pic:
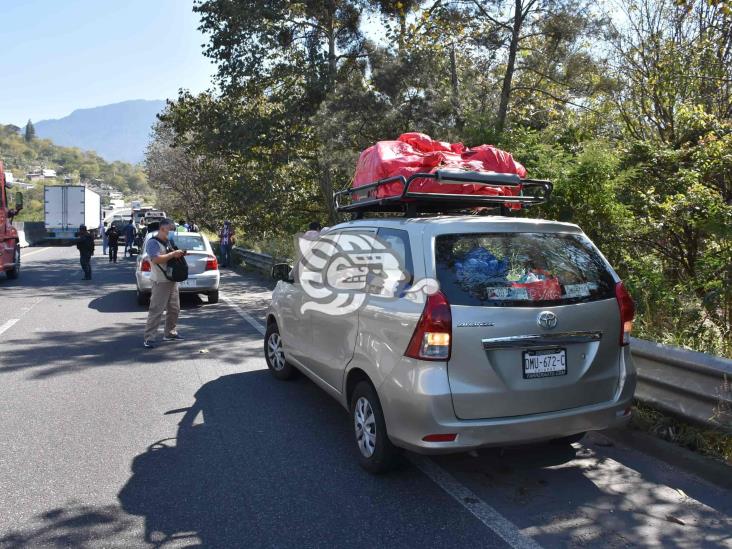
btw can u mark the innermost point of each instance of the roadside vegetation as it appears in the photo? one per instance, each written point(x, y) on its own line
point(22, 153)
point(625, 105)
point(709, 442)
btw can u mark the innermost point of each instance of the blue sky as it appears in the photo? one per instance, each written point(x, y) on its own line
point(61, 55)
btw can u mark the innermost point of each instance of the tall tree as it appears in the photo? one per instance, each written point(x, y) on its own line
point(30, 132)
point(537, 41)
point(671, 53)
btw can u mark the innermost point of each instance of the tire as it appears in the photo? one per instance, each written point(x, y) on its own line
point(143, 298)
point(376, 453)
point(571, 439)
point(275, 355)
point(213, 297)
point(13, 273)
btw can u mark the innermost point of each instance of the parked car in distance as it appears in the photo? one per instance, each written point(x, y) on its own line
point(525, 341)
point(203, 268)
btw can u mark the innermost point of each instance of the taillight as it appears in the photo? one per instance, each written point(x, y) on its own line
point(627, 312)
point(145, 267)
point(433, 334)
point(211, 263)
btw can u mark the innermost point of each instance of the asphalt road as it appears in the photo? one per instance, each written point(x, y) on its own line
point(106, 444)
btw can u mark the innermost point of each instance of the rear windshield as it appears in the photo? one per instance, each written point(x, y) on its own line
point(189, 242)
point(502, 269)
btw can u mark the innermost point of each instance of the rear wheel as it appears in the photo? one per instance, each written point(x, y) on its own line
point(213, 297)
point(274, 353)
point(143, 298)
point(376, 453)
point(15, 271)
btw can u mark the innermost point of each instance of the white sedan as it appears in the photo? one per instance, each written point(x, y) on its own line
point(203, 268)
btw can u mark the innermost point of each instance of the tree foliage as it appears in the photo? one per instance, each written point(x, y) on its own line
point(30, 132)
point(628, 109)
point(21, 157)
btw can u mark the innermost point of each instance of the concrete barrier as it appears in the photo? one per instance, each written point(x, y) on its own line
point(33, 232)
point(22, 242)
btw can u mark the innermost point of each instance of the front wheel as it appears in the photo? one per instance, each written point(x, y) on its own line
point(15, 271)
point(274, 353)
point(376, 453)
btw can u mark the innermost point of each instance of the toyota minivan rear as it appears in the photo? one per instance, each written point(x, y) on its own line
point(526, 339)
point(537, 322)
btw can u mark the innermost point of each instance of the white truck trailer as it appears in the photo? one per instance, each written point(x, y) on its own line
point(69, 206)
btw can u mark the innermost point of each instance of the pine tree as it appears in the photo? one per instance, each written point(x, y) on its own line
point(30, 131)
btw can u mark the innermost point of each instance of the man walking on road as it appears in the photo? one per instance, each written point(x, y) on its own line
point(113, 242)
point(129, 234)
point(85, 245)
point(164, 291)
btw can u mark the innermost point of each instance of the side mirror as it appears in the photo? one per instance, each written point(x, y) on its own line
point(283, 272)
point(18, 202)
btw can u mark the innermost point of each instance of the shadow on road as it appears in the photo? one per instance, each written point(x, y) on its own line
point(76, 525)
point(118, 343)
point(259, 462)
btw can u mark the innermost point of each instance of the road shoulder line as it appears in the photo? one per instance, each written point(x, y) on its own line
point(246, 316)
point(9, 324)
point(486, 514)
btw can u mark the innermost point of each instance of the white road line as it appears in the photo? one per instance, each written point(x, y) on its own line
point(499, 524)
point(9, 324)
point(246, 316)
point(486, 514)
point(23, 255)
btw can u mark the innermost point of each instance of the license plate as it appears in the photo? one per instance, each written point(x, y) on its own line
point(190, 283)
point(545, 363)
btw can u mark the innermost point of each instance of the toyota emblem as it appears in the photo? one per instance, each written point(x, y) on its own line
point(546, 320)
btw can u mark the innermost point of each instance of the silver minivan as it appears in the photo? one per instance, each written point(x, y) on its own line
point(494, 331)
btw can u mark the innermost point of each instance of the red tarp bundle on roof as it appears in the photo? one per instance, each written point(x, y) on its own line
point(416, 152)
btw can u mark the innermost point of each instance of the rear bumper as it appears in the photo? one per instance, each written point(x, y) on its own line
point(417, 402)
point(205, 282)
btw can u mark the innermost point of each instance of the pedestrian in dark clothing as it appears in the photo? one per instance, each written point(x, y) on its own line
point(85, 245)
point(129, 234)
point(226, 234)
point(113, 242)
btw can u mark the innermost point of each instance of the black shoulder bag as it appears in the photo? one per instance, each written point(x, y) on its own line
point(178, 265)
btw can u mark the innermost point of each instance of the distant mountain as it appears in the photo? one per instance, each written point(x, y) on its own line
point(116, 132)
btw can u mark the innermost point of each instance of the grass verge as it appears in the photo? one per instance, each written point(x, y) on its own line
point(707, 442)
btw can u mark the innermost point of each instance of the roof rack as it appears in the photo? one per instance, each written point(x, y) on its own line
point(412, 203)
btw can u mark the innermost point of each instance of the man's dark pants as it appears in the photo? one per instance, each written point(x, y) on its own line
point(113, 252)
point(85, 260)
point(225, 254)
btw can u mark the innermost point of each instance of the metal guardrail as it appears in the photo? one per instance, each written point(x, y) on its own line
point(260, 262)
point(693, 386)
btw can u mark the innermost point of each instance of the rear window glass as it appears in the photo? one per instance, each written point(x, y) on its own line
point(521, 269)
point(190, 243)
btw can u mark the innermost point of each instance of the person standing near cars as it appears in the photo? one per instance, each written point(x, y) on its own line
point(226, 236)
point(164, 297)
point(85, 245)
point(129, 234)
point(113, 242)
point(104, 238)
